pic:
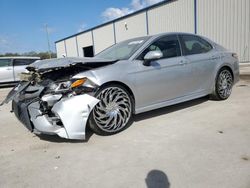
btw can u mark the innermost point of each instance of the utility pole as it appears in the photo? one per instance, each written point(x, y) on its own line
point(47, 32)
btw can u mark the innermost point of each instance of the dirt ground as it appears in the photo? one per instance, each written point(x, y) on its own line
point(201, 143)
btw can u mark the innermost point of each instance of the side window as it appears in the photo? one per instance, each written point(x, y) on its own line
point(194, 45)
point(168, 45)
point(5, 62)
point(22, 62)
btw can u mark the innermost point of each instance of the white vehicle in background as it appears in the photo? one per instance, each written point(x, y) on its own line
point(11, 67)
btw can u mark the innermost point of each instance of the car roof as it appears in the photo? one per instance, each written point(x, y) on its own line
point(173, 33)
point(20, 57)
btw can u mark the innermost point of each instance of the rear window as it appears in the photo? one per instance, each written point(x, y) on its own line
point(5, 62)
point(194, 45)
point(22, 62)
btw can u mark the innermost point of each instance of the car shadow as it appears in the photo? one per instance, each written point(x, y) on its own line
point(157, 179)
point(169, 109)
point(57, 139)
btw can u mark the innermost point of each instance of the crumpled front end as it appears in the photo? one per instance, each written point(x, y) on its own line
point(65, 116)
point(69, 117)
point(54, 103)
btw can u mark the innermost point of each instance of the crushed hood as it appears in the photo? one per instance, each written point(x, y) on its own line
point(51, 64)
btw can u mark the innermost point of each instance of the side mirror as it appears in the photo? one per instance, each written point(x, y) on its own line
point(152, 55)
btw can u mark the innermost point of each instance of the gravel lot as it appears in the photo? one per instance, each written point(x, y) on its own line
point(201, 143)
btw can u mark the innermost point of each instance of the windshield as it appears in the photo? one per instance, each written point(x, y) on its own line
point(123, 50)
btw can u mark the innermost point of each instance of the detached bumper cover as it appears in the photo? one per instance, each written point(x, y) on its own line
point(73, 113)
point(21, 111)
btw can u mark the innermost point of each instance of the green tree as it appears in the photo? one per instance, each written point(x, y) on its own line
point(42, 55)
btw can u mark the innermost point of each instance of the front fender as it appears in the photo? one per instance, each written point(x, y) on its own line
point(74, 113)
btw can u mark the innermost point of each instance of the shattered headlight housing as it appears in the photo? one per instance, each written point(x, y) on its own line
point(78, 86)
point(59, 87)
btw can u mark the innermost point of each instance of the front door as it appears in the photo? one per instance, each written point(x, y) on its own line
point(166, 78)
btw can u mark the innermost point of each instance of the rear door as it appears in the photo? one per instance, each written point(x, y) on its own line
point(6, 70)
point(20, 66)
point(201, 57)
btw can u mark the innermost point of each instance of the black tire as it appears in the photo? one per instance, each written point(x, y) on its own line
point(110, 112)
point(223, 84)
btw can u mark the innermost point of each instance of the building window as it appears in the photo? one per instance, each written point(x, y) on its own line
point(88, 51)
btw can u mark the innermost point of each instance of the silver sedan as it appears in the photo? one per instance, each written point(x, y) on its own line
point(64, 96)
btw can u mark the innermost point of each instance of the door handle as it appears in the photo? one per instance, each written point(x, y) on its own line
point(8, 68)
point(182, 62)
point(215, 57)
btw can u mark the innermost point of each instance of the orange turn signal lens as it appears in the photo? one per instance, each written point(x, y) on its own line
point(78, 83)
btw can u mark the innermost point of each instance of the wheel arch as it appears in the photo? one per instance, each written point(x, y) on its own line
point(216, 74)
point(214, 94)
point(225, 67)
point(125, 86)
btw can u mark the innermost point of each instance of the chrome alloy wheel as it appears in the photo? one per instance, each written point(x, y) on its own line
point(113, 111)
point(225, 84)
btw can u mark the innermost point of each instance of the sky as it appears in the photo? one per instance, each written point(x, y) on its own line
point(22, 22)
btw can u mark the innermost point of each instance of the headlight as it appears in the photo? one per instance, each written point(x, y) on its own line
point(77, 85)
point(83, 85)
point(59, 87)
point(83, 82)
point(64, 85)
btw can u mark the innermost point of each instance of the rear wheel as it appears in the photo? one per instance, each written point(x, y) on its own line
point(114, 111)
point(223, 85)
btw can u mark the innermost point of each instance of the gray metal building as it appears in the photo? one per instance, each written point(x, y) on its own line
point(226, 22)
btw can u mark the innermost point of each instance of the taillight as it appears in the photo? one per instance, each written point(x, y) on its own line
point(235, 55)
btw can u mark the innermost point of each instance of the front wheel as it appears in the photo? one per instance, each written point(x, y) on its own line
point(114, 111)
point(223, 84)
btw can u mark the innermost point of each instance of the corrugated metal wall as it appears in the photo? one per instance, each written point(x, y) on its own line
point(84, 40)
point(60, 49)
point(71, 49)
point(174, 16)
point(133, 26)
point(226, 22)
point(103, 37)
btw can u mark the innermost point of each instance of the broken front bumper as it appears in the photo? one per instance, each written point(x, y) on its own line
point(73, 113)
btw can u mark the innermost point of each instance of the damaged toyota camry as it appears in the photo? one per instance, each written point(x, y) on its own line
point(63, 96)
